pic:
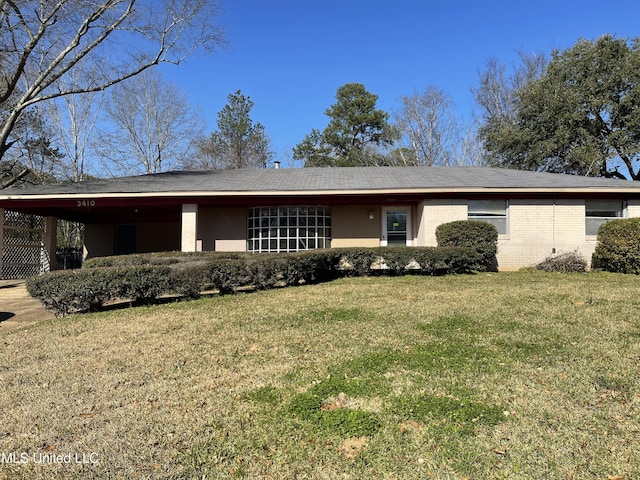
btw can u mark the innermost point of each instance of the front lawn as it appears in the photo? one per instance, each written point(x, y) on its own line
point(510, 375)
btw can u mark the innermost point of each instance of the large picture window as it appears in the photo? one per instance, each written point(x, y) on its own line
point(288, 229)
point(601, 211)
point(491, 211)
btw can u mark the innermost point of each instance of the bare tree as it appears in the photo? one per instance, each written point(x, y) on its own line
point(41, 42)
point(74, 118)
point(496, 92)
point(469, 150)
point(429, 126)
point(151, 127)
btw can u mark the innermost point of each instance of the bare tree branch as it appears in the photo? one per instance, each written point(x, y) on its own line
point(153, 127)
point(428, 125)
point(41, 42)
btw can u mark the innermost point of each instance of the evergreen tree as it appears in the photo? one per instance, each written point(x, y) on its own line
point(356, 132)
point(238, 142)
point(580, 117)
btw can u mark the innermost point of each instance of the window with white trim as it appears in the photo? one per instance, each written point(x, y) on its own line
point(598, 212)
point(288, 229)
point(491, 211)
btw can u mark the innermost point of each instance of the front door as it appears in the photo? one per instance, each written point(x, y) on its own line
point(396, 227)
point(126, 239)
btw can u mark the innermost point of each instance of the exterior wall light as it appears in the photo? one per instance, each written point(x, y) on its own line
point(370, 214)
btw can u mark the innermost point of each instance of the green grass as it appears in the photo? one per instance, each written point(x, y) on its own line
point(520, 375)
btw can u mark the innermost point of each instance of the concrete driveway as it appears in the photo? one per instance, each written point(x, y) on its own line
point(17, 307)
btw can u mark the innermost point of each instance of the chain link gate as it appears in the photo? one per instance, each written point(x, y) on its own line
point(23, 247)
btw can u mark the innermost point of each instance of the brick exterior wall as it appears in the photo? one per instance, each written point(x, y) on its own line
point(432, 213)
point(537, 228)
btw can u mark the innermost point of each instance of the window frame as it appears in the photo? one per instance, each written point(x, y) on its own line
point(489, 217)
point(591, 220)
point(288, 228)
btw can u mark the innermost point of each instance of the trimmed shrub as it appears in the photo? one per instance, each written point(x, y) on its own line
point(618, 248)
point(143, 278)
point(482, 236)
point(267, 270)
point(69, 291)
point(117, 261)
point(565, 262)
point(448, 260)
point(355, 262)
point(159, 258)
point(227, 274)
point(310, 267)
point(140, 284)
point(190, 279)
point(404, 260)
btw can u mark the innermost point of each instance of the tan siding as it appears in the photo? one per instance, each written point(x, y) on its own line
point(351, 227)
point(158, 237)
point(98, 240)
point(223, 229)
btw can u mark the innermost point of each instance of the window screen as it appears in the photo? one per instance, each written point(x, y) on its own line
point(601, 211)
point(491, 211)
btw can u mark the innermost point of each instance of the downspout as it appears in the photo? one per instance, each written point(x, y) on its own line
point(553, 226)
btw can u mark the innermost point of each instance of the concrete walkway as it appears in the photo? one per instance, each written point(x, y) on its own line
point(17, 307)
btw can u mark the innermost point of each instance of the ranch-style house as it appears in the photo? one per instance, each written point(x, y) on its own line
point(287, 210)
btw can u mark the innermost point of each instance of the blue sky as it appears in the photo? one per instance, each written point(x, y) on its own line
point(291, 56)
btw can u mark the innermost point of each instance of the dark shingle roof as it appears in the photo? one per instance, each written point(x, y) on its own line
point(331, 180)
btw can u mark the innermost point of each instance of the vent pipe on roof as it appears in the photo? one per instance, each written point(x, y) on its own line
point(276, 164)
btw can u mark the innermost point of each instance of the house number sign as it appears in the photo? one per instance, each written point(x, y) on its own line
point(85, 203)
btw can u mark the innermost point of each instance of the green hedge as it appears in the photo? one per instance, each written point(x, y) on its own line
point(158, 258)
point(143, 278)
point(69, 291)
point(404, 260)
point(618, 248)
point(482, 236)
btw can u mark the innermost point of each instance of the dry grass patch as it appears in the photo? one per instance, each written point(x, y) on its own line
point(518, 375)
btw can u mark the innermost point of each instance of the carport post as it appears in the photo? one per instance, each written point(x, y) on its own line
point(1, 237)
point(189, 227)
point(51, 241)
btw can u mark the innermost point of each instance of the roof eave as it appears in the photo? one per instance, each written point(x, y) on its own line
point(302, 193)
